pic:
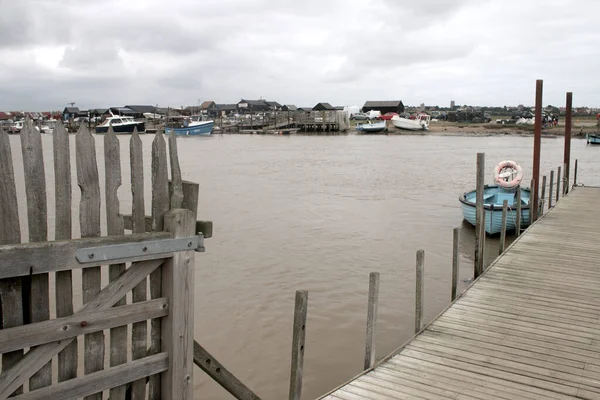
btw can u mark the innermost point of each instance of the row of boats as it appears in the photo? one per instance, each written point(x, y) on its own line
point(191, 126)
point(420, 123)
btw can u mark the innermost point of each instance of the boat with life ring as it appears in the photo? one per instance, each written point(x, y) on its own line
point(507, 177)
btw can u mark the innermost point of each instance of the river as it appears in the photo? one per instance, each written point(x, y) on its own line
point(319, 213)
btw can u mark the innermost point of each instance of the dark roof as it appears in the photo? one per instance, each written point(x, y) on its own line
point(326, 106)
point(273, 104)
point(227, 107)
point(305, 108)
point(340, 108)
point(123, 110)
point(142, 109)
point(206, 104)
point(99, 111)
point(71, 110)
point(254, 102)
point(289, 107)
point(390, 103)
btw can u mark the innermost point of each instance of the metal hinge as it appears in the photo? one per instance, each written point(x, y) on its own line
point(132, 250)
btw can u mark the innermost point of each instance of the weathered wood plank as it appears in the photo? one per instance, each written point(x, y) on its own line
point(67, 359)
point(11, 289)
point(177, 184)
point(98, 381)
point(178, 327)
point(204, 227)
point(36, 258)
point(80, 323)
point(89, 222)
point(37, 218)
point(221, 375)
point(419, 290)
point(298, 339)
point(160, 206)
point(114, 223)
point(372, 306)
point(33, 360)
point(138, 335)
point(455, 262)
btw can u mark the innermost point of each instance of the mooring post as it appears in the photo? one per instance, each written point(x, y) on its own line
point(532, 187)
point(565, 189)
point(537, 140)
point(300, 311)
point(567, 152)
point(558, 179)
point(479, 215)
point(518, 219)
point(371, 319)
point(575, 174)
point(543, 196)
point(455, 260)
point(503, 229)
point(419, 290)
point(550, 189)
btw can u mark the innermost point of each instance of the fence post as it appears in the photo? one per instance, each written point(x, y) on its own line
point(550, 189)
point(371, 319)
point(300, 310)
point(518, 219)
point(455, 260)
point(532, 187)
point(566, 180)
point(419, 291)
point(543, 197)
point(503, 229)
point(558, 179)
point(575, 174)
point(480, 215)
point(178, 327)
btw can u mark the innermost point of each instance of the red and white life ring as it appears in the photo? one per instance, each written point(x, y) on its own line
point(508, 174)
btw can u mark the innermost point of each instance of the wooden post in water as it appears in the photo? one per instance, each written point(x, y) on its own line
point(371, 319)
point(300, 310)
point(503, 229)
point(575, 174)
point(518, 219)
point(567, 151)
point(537, 140)
point(532, 187)
point(455, 261)
point(558, 179)
point(480, 216)
point(419, 291)
point(550, 189)
point(565, 189)
point(543, 196)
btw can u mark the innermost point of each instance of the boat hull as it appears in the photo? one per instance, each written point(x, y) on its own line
point(593, 139)
point(408, 124)
point(128, 128)
point(196, 130)
point(493, 211)
point(371, 128)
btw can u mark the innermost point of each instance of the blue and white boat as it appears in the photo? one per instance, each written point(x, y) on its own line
point(507, 177)
point(593, 138)
point(194, 126)
point(371, 127)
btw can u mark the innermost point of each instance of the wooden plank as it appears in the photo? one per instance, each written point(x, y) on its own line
point(138, 333)
point(98, 381)
point(558, 181)
point(455, 261)
point(519, 215)
point(221, 375)
point(37, 218)
point(80, 323)
point(419, 293)
point(204, 227)
point(550, 188)
point(177, 185)
point(160, 206)
point(67, 359)
point(503, 228)
point(372, 306)
point(178, 327)
point(33, 360)
point(114, 224)
point(480, 221)
point(11, 289)
point(36, 258)
point(298, 339)
point(89, 222)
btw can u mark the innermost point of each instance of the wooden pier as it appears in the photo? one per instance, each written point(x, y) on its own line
point(528, 327)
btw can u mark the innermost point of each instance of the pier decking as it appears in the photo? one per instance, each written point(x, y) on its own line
point(529, 327)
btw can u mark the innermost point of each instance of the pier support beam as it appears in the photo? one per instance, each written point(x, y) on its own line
point(567, 155)
point(537, 140)
point(480, 215)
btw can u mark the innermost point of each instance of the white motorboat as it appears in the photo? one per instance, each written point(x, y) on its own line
point(121, 124)
point(421, 123)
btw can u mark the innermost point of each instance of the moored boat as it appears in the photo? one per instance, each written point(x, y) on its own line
point(193, 126)
point(421, 123)
point(593, 138)
point(121, 124)
point(371, 127)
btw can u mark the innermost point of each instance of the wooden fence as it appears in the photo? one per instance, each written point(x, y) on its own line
point(149, 284)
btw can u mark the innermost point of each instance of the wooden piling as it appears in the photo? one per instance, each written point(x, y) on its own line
point(518, 218)
point(455, 261)
point(567, 149)
point(480, 216)
point(565, 188)
point(503, 229)
point(558, 179)
point(419, 292)
point(543, 195)
point(537, 140)
point(550, 189)
point(371, 319)
point(300, 311)
point(532, 187)
point(575, 174)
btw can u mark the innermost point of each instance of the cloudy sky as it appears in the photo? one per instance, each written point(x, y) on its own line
point(175, 53)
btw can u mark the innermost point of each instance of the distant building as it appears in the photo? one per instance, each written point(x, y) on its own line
point(273, 105)
point(70, 112)
point(226, 109)
point(339, 108)
point(384, 106)
point(305, 109)
point(452, 105)
point(246, 106)
point(141, 109)
point(323, 107)
point(125, 111)
point(289, 107)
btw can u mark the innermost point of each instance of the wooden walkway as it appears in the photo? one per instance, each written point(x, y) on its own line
point(528, 328)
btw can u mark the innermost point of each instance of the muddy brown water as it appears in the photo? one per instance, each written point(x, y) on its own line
point(319, 213)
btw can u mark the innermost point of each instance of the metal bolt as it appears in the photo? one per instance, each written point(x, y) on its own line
point(83, 323)
point(144, 249)
point(65, 328)
point(190, 244)
point(164, 306)
point(91, 255)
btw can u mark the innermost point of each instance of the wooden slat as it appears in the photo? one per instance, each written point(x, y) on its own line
point(177, 184)
point(37, 218)
point(178, 327)
point(204, 227)
point(33, 360)
point(80, 323)
point(98, 381)
point(36, 258)
point(114, 223)
point(160, 206)
point(67, 359)
point(138, 336)
point(89, 221)
point(11, 289)
point(527, 328)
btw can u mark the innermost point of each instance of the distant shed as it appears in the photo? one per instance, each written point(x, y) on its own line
point(384, 106)
point(289, 107)
point(323, 107)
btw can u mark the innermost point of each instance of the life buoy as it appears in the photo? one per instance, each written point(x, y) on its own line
point(508, 174)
